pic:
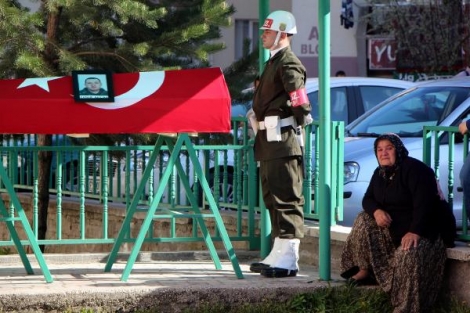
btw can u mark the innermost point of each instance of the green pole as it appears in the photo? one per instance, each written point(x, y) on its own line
point(325, 142)
point(265, 219)
point(263, 53)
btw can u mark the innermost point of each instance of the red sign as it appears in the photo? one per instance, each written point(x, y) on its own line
point(194, 100)
point(382, 54)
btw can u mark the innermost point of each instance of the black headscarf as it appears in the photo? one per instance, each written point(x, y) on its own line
point(387, 172)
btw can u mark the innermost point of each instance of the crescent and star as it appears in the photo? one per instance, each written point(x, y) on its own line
point(148, 83)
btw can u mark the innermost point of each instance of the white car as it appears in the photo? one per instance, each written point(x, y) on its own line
point(434, 103)
point(350, 96)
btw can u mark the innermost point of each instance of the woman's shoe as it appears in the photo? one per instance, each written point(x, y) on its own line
point(368, 281)
point(350, 272)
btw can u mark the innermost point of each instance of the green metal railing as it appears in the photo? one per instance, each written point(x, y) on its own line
point(109, 176)
point(129, 177)
point(437, 141)
point(104, 175)
point(312, 164)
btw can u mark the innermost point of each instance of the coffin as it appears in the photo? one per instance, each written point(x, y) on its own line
point(177, 101)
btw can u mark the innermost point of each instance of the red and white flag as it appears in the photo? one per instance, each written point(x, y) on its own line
point(179, 101)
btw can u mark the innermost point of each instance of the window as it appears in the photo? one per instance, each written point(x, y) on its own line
point(406, 115)
point(245, 30)
point(373, 95)
point(339, 104)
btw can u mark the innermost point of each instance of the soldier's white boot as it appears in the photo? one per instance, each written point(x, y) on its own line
point(287, 264)
point(270, 259)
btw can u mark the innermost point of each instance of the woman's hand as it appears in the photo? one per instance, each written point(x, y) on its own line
point(382, 218)
point(410, 240)
point(463, 127)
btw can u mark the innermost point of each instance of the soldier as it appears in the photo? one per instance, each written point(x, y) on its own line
point(280, 108)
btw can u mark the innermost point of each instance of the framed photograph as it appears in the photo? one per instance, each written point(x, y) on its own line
point(93, 86)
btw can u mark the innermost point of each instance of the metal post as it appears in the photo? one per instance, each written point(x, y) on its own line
point(265, 219)
point(263, 13)
point(324, 196)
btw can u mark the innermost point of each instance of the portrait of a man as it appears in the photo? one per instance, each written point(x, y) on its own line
point(92, 86)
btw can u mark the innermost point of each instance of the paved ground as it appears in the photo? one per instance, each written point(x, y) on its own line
point(171, 282)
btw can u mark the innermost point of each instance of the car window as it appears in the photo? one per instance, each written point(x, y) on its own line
point(313, 98)
point(373, 95)
point(408, 114)
point(339, 105)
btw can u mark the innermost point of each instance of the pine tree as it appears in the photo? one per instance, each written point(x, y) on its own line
point(241, 74)
point(115, 35)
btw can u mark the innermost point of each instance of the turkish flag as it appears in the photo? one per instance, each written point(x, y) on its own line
point(179, 101)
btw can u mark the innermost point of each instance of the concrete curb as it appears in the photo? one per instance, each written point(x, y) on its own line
point(158, 300)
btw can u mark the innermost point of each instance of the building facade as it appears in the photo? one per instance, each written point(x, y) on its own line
point(348, 45)
point(368, 45)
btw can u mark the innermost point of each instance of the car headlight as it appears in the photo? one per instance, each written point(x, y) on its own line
point(351, 172)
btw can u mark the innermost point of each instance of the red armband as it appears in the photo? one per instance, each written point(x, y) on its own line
point(298, 97)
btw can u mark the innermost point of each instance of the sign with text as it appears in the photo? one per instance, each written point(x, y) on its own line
point(306, 42)
point(382, 53)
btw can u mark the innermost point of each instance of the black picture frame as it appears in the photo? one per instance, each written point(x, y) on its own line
point(81, 93)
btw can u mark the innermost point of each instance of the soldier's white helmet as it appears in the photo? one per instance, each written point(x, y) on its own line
point(280, 21)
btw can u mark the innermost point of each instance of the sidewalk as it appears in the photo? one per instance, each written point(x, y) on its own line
point(170, 282)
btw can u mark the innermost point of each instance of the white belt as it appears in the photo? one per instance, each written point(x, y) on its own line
point(288, 121)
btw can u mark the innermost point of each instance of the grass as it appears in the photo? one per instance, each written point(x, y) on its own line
point(5, 251)
point(343, 299)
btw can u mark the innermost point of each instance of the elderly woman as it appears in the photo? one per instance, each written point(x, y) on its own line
point(395, 241)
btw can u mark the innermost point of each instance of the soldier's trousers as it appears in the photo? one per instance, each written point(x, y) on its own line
point(281, 183)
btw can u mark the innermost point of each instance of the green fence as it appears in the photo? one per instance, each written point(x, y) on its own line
point(106, 175)
point(446, 143)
